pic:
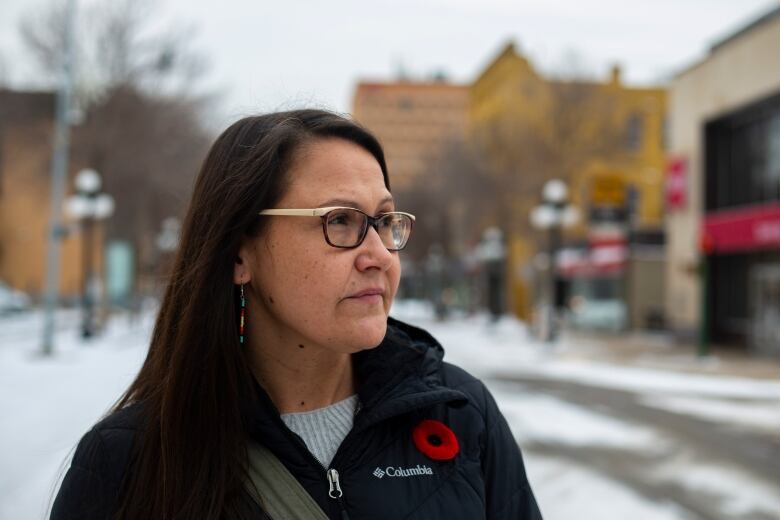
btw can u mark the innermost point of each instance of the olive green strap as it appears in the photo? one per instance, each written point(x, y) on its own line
point(273, 487)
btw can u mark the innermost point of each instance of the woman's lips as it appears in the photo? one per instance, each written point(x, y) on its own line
point(368, 296)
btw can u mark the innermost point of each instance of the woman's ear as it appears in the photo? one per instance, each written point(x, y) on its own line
point(241, 272)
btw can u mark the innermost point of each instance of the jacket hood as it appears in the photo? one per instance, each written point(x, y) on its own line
point(407, 354)
point(421, 340)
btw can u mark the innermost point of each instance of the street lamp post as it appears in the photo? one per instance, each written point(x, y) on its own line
point(167, 240)
point(552, 215)
point(59, 172)
point(492, 253)
point(89, 205)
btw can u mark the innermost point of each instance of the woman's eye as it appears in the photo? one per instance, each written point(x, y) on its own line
point(338, 219)
point(386, 221)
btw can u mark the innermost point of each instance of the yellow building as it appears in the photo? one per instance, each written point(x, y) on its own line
point(604, 139)
point(26, 129)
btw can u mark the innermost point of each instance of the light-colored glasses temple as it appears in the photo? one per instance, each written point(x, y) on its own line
point(317, 212)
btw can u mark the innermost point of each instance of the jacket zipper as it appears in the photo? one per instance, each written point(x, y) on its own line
point(334, 491)
point(332, 476)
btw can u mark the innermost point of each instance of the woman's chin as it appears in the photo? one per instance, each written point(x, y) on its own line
point(368, 332)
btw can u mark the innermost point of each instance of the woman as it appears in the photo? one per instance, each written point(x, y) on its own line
point(274, 332)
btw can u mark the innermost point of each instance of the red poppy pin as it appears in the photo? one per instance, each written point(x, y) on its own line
point(435, 440)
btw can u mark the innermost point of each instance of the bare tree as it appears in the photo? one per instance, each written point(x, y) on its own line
point(141, 126)
point(115, 47)
point(453, 202)
point(576, 123)
point(148, 150)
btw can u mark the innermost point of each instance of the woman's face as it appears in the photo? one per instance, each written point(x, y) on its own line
point(303, 290)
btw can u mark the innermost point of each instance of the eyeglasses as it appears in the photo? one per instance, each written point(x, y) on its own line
point(347, 227)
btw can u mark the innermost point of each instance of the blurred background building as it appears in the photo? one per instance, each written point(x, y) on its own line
point(418, 123)
point(605, 141)
point(415, 121)
point(26, 130)
point(723, 192)
point(475, 157)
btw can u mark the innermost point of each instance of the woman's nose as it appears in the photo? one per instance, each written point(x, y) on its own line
point(373, 252)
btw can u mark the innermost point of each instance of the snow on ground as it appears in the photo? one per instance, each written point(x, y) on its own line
point(761, 416)
point(566, 491)
point(49, 403)
point(540, 418)
point(736, 492)
point(647, 380)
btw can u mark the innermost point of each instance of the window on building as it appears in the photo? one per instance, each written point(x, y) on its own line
point(743, 157)
point(634, 125)
point(773, 157)
point(405, 103)
point(1, 161)
point(665, 134)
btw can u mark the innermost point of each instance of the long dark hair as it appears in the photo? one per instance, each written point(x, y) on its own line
point(190, 457)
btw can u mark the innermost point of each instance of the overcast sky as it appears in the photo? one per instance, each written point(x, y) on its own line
point(271, 55)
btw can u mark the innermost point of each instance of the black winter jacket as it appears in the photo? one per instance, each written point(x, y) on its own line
point(401, 382)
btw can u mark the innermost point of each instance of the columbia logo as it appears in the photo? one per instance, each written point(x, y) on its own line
point(391, 471)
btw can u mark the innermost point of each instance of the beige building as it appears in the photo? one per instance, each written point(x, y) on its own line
point(412, 120)
point(723, 192)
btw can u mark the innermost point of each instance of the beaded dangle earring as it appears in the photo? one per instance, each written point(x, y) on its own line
point(243, 315)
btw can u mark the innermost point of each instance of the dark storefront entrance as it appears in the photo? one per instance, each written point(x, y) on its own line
point(741, 229)
point(743, 298)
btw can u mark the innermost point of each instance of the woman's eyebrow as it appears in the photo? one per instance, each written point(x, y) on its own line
point(339, 202)
point(353, 204)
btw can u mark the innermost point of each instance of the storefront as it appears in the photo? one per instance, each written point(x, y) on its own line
point(741, 227)
point(723, 193)
point(592, 279)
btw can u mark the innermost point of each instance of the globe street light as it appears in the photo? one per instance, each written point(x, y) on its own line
point(89, 205)
point(167, 239)
point(552, 215)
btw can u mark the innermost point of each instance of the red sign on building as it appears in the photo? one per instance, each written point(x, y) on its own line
point(676, 183)
point(744, 229)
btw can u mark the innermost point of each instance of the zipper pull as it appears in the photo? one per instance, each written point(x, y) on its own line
point(333, 483)
point(335, 492)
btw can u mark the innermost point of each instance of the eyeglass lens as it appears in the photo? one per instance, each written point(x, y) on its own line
point(347, 228)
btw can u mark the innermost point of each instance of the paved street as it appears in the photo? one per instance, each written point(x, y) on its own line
point(689, 441)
